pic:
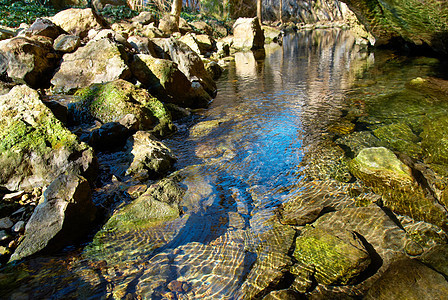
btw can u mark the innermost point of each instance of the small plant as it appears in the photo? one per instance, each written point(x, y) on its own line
point(14, 12)
point(118, 13)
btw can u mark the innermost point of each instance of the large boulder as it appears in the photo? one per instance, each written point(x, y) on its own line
point(379, 168)
point(164, 79)
point(112, 101)
point(414, 21)
point(99, 61)
point(28, 60)
point(78, 21)
point(35, 147)
point(150, 157)
point(336, 257)
point(187, 61)
point(247, 34)
point(65, 213)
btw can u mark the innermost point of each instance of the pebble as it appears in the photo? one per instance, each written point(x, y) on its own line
point(6, 223)
point(19, 227)
point(4, 236)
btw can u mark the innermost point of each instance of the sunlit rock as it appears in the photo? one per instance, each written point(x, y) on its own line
point(78, 21)
point(247, 34)
point(399, 136)
point(44, 27)
point(64, 215)
point(35, 147)
point(97, 62)
point(66, 43)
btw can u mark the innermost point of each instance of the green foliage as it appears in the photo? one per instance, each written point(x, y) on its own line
point(118, 13)
point(12, 13)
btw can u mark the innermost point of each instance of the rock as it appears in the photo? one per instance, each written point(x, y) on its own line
point(388, 20)
point(165, 80)
point(168, 25)
point(35, 147)
point(354, 142)
point(190, 40)
point(435, 141)
point(44, 27)
point(67, 43)
point(184, 26)
point(65, 215)
point(150, 156)
point(66, 3)
point(202, 27)
point(109, 137)
point(144, 18)
point(284, 295)
point(18, 227)
point(112, 35)
point(77, 21)
point(380, 169)
point(27, 60)
point(411, 278)
point(247, 34)
point(222, 50)
point(6, 223)
point(142, 45)
point(401, 138)
point(436, 88)
point(112, 101)
point(100, 4)
point(97, 62)
point(437, 259)
point(336, 256)
point(214, 69)
point(272, 35)
point(188, 63)
point(4, 236)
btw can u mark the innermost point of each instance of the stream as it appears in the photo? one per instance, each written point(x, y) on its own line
point(263, 141)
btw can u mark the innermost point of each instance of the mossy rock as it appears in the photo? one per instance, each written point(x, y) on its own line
point(34, 146)
point(401, 138)
point(353, 143)
point(436, 88)
point(337, 257)
point(380, 169)
point(110, 102)
point(435, 141)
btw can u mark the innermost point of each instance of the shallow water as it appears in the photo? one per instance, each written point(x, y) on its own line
point(239, 160)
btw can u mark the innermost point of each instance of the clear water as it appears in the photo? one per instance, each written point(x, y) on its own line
point(240, 159)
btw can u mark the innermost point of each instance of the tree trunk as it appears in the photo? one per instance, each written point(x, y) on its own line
point(259, 11)
point(281, 11)
point(176, 8)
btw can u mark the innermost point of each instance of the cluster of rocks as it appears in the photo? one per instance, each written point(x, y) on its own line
point(73, 86)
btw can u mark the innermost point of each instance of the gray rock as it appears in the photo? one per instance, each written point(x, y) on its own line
point(150, 156)
point(97, 62)
point(28, 60)
point(142, 45)
point(44, 27)
point(188, 63)
point(409, 279)
point(247, 34)
point(65, 215)
point(18, 227)
point(66, 43)
point(6, 223)
point(35, 146)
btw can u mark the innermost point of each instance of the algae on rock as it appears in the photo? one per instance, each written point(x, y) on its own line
point(110, 102)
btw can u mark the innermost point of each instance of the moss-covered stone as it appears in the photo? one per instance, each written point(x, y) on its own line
point(435, 140)
point(34, 146)
point(401, 138)
point(110, 102)
point(380, 169)
point(337, 257)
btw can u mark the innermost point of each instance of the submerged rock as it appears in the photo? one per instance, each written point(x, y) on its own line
point(410, 279)
point(337, 257)
point(28, 60)
point(380, 169)
point(112, 101)
point(35, 147)
point(97, 62)
point(435, 141)
point(247, 34)
point(65, 215)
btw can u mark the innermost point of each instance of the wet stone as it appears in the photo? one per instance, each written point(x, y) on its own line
point(18, 227)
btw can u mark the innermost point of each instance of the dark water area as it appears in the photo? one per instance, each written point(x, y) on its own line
point(264, 140)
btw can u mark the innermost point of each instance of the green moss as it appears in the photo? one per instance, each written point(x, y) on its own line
point(435, 141)
point(401, 138)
